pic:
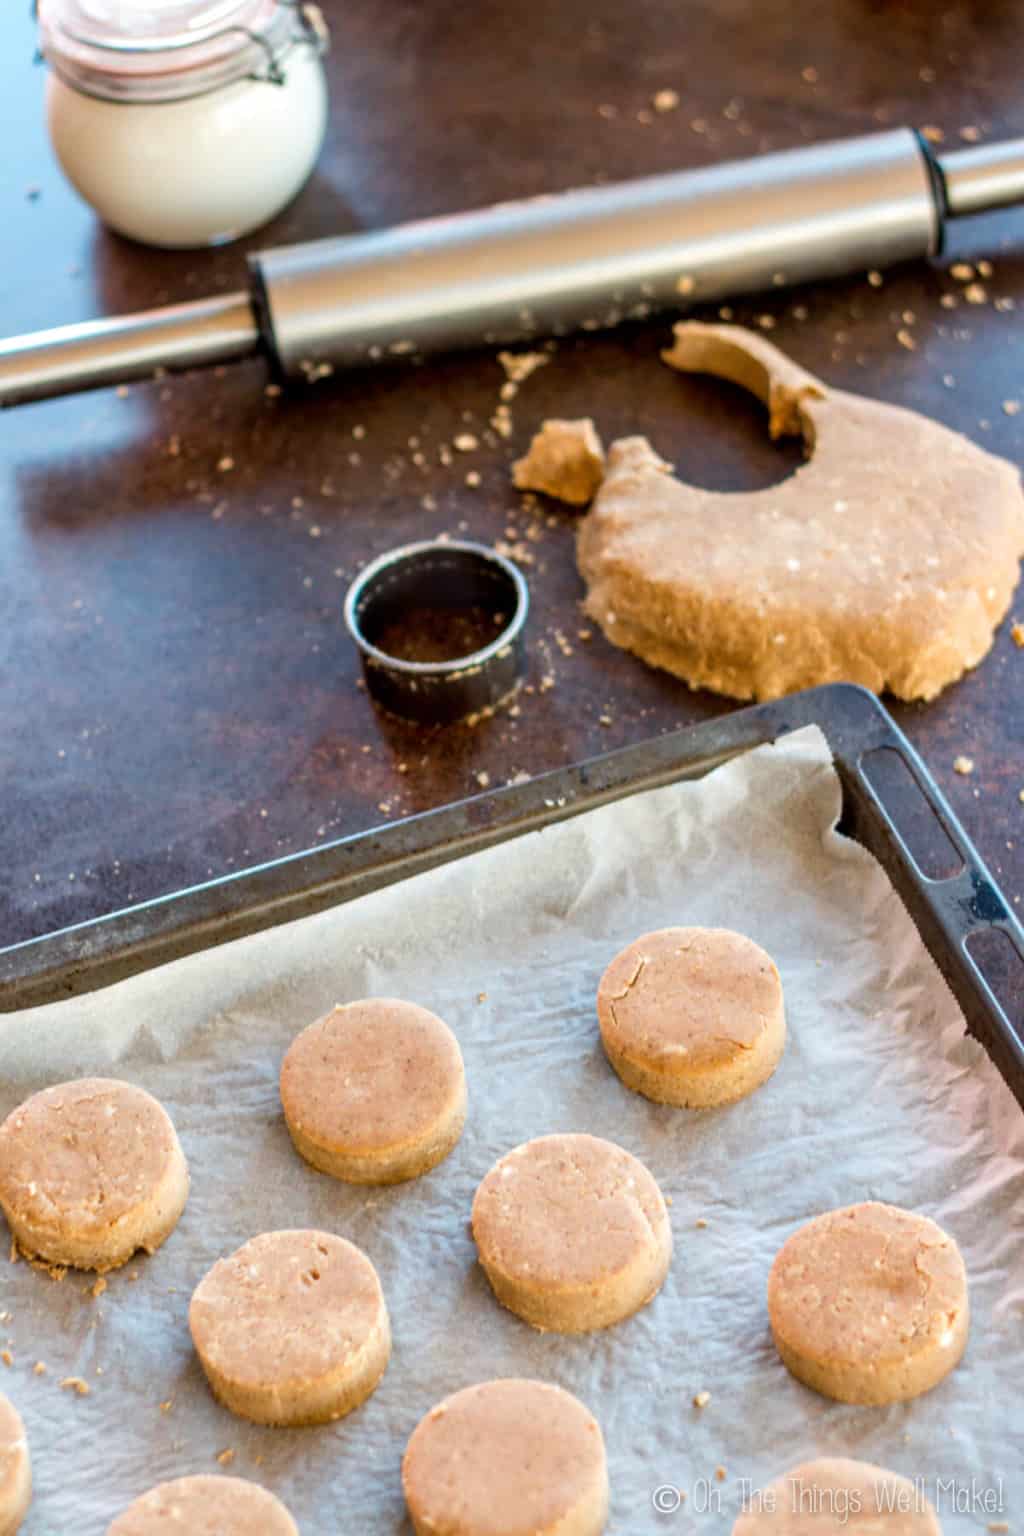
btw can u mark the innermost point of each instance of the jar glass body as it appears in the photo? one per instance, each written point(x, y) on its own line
point(198, 171)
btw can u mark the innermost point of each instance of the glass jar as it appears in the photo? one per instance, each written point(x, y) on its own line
point(185, 122)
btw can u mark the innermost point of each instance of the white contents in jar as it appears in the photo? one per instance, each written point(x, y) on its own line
point(187, 144)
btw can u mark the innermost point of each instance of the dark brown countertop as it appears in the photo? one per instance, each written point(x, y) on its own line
point(177, 698)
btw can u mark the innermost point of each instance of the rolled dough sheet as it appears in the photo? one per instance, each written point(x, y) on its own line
point(879, 1096)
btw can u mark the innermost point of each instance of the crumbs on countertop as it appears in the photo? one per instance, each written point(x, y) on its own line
point(565, 460)
point(518, 366)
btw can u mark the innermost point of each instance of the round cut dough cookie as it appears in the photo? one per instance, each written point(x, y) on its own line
point(692, 1016)
point(375, 1092)
point(839, 1497)
point(15, 1469)
point(572, 1233)
point(90, 1172)
point(869, 1304)
point(291, 1328)
point(205, 1506)
point(507, 1458)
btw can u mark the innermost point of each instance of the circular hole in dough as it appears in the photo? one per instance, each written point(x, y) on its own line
point(15, 1469)
point(868, 1304)
point(205, 1506)
point(90, 1172)
point(522, 1455)
point(692, 1016)
point(838, 1497)
point(291, 1328)
point(374, 1092)
point(572, 1232)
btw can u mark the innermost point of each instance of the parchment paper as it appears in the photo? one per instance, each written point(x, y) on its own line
point(879, 1095)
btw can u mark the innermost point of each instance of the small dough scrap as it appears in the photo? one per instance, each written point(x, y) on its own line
point(835, 1496)
point(887, 560)
point(374, 1092)
point(291, 1328)
point(205, 1506)
point(572, 1232)
point(15, 1469)
point(868, 1304)
point(90, 1172)
point(507, 1458)
point(692, 1016)
point(566, 460)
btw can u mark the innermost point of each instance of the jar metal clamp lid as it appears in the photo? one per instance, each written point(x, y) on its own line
point(452, 575)
point(171, 50)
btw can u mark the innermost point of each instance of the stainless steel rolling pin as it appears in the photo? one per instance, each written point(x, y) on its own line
point(547, 266)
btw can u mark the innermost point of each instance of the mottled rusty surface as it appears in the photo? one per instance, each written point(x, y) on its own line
point(177, 698)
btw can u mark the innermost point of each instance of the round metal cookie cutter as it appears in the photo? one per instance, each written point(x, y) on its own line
point(448, 575)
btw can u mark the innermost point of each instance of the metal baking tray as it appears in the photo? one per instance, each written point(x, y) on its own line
point(891, 805)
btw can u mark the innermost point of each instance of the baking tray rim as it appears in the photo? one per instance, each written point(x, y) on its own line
point(101, 951)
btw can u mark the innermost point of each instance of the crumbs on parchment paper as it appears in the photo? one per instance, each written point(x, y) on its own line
point(56, 1272)
point(75, 1384)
